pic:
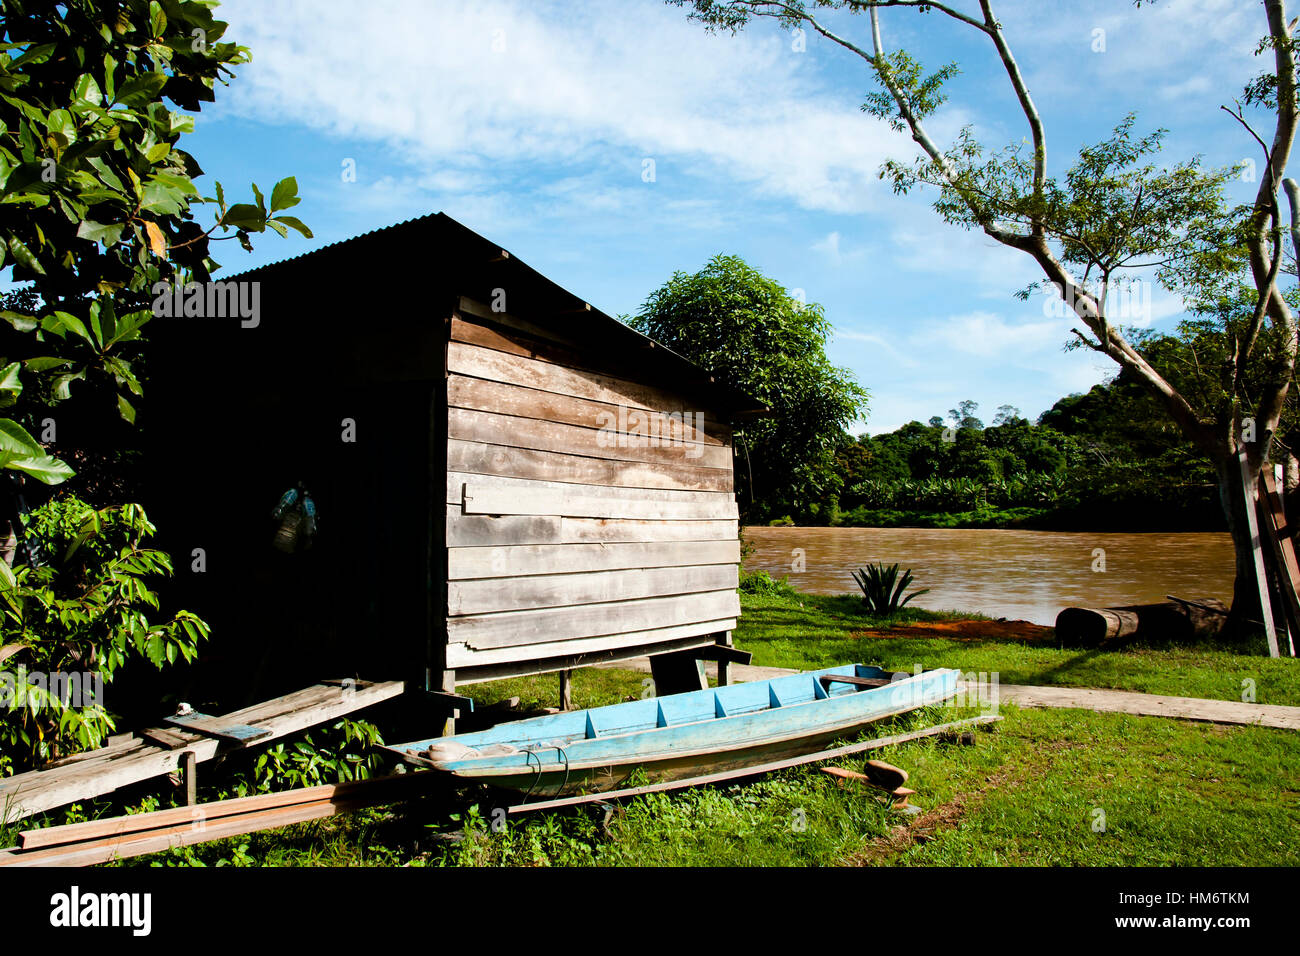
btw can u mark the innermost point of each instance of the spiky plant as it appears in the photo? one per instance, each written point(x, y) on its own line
point(883, 587)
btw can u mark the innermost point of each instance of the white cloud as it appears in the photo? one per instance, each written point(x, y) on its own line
point(988, 335)
point(519, 85)
point(830, 246)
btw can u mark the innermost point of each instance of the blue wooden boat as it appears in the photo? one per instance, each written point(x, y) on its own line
point(682, 735)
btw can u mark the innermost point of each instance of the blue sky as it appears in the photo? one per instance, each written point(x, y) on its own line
point(531, 122)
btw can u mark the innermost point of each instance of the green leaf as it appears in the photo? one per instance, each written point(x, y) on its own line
point(63, 384)
point(157, 19)
point(141, 89)
point(15, 440)
point(244, 215)
point(87, 90)
point(164, 193)
point(293, 222)
point(110, 65)
point(43, 468)
point(21, 323)
point(62, 126)
point(126, 409)
point(61, 323)
point(34, 55)
point(109, 233)
point(44, 363)
point(10, 384)
point(285, 194)
point(18, 249)
point(128, 327)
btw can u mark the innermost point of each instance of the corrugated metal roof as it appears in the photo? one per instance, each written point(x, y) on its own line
point(458, 245)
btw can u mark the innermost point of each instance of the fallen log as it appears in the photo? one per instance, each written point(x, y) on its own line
point(1176, 621)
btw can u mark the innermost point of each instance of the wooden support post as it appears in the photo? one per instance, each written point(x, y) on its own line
point(1248, 483)
point(448, 686)
point(1281, 542)
point(190, 768)
point(724, 665)
point(566, 690)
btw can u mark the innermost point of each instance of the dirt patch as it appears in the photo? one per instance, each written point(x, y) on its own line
point(972, 630)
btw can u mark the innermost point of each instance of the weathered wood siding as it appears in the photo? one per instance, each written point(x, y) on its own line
point(560, 540)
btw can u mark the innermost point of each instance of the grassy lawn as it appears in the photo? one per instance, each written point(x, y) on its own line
point(809, 631)
point(1045, 787)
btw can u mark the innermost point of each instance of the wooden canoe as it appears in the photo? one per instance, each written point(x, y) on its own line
point(682, 735)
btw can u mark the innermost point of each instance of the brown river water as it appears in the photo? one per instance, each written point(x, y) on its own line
point(1025, 575)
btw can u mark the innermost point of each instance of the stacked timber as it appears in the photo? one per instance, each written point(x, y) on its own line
point(1173, 620)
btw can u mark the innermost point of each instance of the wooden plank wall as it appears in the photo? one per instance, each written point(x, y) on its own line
point(562, 540)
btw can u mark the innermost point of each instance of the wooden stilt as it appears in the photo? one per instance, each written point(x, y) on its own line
point(448, 686)
point(190, 767)
point(566, 690)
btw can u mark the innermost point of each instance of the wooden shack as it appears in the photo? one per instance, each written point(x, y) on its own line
point(506, 480)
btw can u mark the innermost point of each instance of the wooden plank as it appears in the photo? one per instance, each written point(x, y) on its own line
point(473, 310)
point(478, 362)
point(830, 679)
point(468, 531)
point(1261, 580)
point(612, 657)
point(120, 745)
point(219, 727)
point(97, 841)
point(165, 738)
point(467, 657)
point(1282, 546)
point(456, 481)
point(509, 628)
point(509, 336)
point(483, 459)
point(524, 560)
point(34, 792)
point(1151, 705)
point(567, 590)
point(640, 442)
point(484, 500)
point(509, 399)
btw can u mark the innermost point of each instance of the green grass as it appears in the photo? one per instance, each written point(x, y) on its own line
point(1046, 787)
point(809, 631)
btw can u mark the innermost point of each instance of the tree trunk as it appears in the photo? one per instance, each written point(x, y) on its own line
point(1174, 621)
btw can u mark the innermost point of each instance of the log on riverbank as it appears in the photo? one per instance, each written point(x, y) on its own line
point(1170, 620)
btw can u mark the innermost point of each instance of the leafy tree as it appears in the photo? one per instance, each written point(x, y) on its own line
point(97, 198)
point(1113, 212)
point(963, 416)
point(98, 207)
point(750, 333)
point(1006, 414)
point(86, 610)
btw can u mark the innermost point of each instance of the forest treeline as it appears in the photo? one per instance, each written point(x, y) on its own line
point(1104, 460)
